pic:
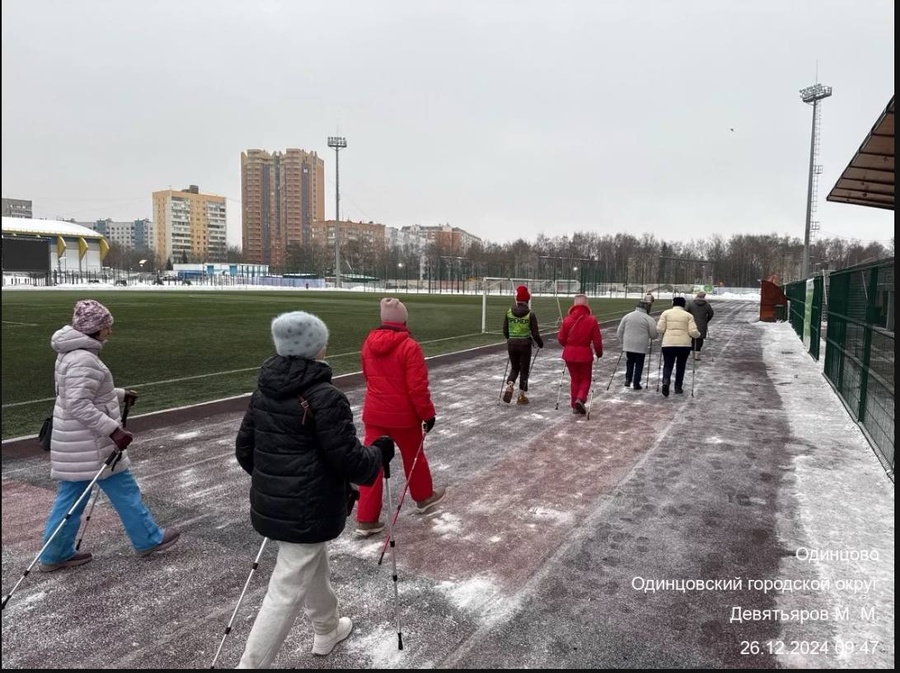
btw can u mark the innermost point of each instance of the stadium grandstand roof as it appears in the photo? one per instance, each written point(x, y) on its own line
point(26, 226)
point(868, 179)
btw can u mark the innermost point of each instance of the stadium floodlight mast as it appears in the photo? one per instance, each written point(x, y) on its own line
point(811, 95)
point(338, 143)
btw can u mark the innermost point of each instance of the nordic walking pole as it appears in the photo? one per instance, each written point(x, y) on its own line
point(559, 385)
point(536, 351)
point(531, 367)
point(241, 598)
point(659, 368)
point(649, 359)
point(693, 369)
point(614, 370)
point(503, 382)
point(96, 495)
point(591, 399)
point(111, 460)
point(403, 495)
point(125, 411)
point(387, 485)
point(87, 519)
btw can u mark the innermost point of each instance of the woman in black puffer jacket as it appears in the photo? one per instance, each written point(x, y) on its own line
point(300, 446)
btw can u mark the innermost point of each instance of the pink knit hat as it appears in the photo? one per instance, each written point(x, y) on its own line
point(91, 316)
point(580, 300)
point(393, 310)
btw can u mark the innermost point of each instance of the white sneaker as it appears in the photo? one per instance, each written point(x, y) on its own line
point(322, 645)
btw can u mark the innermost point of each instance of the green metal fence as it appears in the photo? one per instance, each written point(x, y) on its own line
point(859, 352)
point(805, 311)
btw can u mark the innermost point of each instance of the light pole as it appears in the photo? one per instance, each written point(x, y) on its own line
point(812, 94)
point(338, 143)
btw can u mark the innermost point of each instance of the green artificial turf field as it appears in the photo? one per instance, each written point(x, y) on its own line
point(184, 347)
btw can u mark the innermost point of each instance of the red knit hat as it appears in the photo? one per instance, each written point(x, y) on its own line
point(522, 294)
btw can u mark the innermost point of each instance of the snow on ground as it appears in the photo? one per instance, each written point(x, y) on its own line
point(530, 561)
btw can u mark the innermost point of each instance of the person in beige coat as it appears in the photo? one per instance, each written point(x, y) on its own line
point(676, 329)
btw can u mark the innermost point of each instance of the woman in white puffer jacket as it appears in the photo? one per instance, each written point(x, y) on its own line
point(676, 329)
point(87, 430)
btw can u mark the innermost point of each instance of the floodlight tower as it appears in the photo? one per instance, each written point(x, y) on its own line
point(812, 95)
point(338, 143)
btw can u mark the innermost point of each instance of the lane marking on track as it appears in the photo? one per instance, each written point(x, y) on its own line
point(229, 372)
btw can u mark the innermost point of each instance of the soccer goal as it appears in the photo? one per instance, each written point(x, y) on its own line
point(498, 294)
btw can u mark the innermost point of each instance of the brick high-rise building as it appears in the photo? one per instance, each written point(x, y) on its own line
point(282, 194)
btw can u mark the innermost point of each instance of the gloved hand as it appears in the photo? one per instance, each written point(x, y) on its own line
point(386, 445)
point(427, 425)
point(599, 355)
point(121, 437)
point(130, 397)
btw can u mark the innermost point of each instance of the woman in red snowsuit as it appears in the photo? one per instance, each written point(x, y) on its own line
point(397, 404)
point(578, 332)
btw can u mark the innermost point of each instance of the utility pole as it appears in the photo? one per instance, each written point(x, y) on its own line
point(338, 143)
point(812, 95)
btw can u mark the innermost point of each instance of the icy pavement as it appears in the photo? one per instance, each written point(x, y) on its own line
point(748, 525)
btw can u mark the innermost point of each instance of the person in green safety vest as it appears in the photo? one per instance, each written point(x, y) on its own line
point(520, 327)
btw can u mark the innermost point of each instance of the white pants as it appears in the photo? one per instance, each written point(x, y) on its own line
point(301, 579)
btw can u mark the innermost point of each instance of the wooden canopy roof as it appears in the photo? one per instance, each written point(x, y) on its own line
point(868, 179)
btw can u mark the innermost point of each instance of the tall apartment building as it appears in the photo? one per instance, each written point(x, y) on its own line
point(282, 194)
point(17, 208)
point(451, 239)
point(371, 234)
point(189, 225)
point(131, 234)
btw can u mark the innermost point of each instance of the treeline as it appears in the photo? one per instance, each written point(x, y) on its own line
point(738, 261)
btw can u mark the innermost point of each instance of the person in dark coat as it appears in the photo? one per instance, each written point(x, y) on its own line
point(580, 337)
point(298, 442)
point(520, 329)
point(701, 310)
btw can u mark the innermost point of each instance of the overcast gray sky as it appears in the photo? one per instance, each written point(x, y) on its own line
point(507, 118)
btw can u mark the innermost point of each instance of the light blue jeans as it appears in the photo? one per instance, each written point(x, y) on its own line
point(124, 494)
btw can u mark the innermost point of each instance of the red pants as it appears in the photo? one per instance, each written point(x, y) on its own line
point(408, 441)
point(580, 380)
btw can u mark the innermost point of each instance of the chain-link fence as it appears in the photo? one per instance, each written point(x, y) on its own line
point(859, 352)
point(805, 299)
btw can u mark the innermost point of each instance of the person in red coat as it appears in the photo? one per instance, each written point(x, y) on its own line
point(398, 404)
point(577, 334)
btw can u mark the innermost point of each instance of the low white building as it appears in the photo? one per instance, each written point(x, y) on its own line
point(31, 246)
point(219, 269)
